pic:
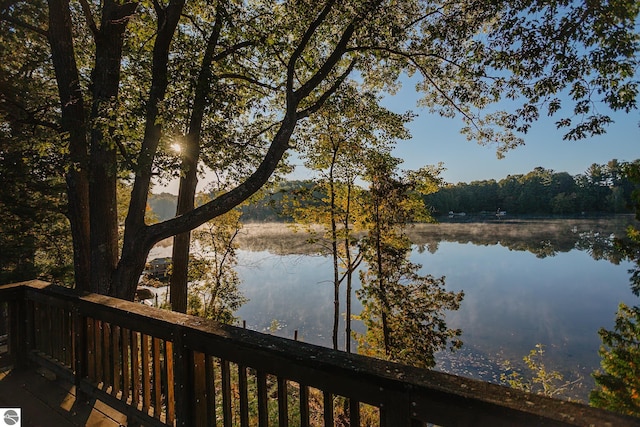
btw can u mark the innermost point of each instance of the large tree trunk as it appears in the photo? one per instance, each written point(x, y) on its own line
point(102, 180)
point(74, 123)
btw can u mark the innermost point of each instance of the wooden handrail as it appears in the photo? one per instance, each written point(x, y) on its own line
point(164, 368)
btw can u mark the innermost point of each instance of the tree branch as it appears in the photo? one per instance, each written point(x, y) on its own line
point(232, 49)
point(323, 98)
point(89, 17)
point(25, 25)
point(297, 53)
point(237, 76)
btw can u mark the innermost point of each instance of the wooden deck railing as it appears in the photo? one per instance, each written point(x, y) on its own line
point(163, 368)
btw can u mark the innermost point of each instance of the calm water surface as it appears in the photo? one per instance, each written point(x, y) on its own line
point(513, 300)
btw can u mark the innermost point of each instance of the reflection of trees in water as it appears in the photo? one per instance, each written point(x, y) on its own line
point(542, 237)
point(618, 382)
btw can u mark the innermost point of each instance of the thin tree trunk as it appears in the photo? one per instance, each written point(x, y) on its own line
point(189, 179)
point(182, 241)
point(384, 305)
point(137, 241)
point(334, 252)
point(347, 250)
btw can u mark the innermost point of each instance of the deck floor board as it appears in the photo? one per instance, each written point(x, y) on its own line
point(46, 402)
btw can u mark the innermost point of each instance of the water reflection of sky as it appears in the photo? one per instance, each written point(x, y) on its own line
point(513, 299)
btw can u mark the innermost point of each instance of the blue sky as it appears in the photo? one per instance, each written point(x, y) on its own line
point(436, 139)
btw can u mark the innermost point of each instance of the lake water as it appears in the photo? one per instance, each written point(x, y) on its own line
point(513, 300)
point(525, 282)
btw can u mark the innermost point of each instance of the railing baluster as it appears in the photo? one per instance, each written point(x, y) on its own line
point(135, 369)
point(328, 408)
point(304, 406)
point(106, 355)
point(183, 373)
point(116, 354)
point(200, 389)
point(29, 336)
point(81, 351)
point(283, 404)
point(17, 346)
point(70, 342)
point(171, 409)
point(41, 336)
point(263, 409)
point(62, 335)
point(125, 340)
point(354, 413)
point(99, 351)
point(244, 398)
point(210, 390)
point(146, 376)
point(67, 339)
point(157, 378)
point(225, 371)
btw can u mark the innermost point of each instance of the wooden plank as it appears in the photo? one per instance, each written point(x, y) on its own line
point(157, 378)
point(283, 404)
point(243, 391)
point(146, 374)
point(67, 339)
point(200, 389)
point(17, 347)
point(99, 350)
point(304, 406)
point(354, 412)
point(52, 403)
point(225, 371)
point(30, 333)
point(171, 403)
point(116, 359)
point(55, 334)
point(48, 331)
point(125, 340)
point(91, 350)
point(183, 373)
point(136, 388)
point(327, 403)
point(75, 337)
point(263, 403)
point(80, 350)
point(106, 356)
point(39, 335)
point(210, 390)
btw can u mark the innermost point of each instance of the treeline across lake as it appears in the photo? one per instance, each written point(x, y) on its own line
point(602, 188)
